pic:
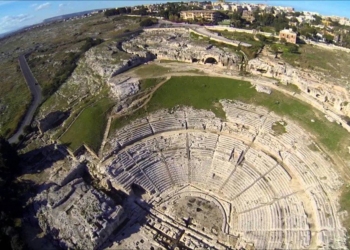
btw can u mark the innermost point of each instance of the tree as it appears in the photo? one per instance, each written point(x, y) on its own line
point(112, 12)
point(308, 31)
point(328, 38)
point(123, 10)
point(261, 38)
point(147, 22)
point(283, 41)
point(292, 48)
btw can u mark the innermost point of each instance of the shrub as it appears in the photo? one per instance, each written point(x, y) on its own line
point(147, 22)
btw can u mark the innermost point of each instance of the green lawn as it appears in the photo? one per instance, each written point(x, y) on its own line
point(150, 70)
point(203, 92)
point(89, 127)
point(149, 83)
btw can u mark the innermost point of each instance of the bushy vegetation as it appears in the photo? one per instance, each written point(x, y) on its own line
point(118, 11)
point(284, 47)
point(252, 51)
point(69, 65)
point(277, 22)
point(148, 22)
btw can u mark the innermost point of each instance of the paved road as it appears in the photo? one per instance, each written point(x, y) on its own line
point(36, 94)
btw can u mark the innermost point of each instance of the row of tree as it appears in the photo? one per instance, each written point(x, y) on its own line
point(127, 10)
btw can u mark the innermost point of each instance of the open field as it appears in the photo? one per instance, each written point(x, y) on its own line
point(51, 55)
point(205, 92)
point(89, 127)
point(14, 97)
point(149, 83)
point(150, 70)
point(332, 64)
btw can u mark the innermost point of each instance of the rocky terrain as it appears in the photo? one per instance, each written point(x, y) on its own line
point(327, 94)
point(201, 148)
point(176, 44)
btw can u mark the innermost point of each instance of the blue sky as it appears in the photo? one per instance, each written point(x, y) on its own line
point(16, 14)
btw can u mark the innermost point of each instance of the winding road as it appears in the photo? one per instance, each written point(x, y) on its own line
point(36, 98)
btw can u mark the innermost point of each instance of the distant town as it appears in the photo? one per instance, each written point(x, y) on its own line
point(285, 22)
point(303, 25)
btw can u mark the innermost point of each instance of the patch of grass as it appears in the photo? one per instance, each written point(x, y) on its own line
point(330, 63)
point(89, 126)
point(151, 70)
point(195, 71)
point(279, 128)
point(198, 37)
point(15, 97)
point(149, 83)
point(268, 29)
point(290, 87)
point(313, 147)
point(171, 61)
point(344, 205)
point(122, 121)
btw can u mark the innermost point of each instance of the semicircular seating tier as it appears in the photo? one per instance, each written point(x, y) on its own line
point(276, 191)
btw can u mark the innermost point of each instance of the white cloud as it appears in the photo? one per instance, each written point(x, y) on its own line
point(12, 22)
point(34, 5)
point(43, 6)
point(63, 7)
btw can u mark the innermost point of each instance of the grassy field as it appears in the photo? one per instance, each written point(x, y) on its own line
point(150, 70)
point(14, 97)
point(332, 64)
point(279, 128)
point(89, 127)
point(205, 92)
point(149, 83)
point(290, 87)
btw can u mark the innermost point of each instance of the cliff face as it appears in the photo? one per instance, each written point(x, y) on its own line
point(178, 45)
point(337, 97)
point(108, 61)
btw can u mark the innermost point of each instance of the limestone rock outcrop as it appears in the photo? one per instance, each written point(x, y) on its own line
point(178, 45)
point(327, 94)
point(108, 61)
point(77, 215)
point(124, 87)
